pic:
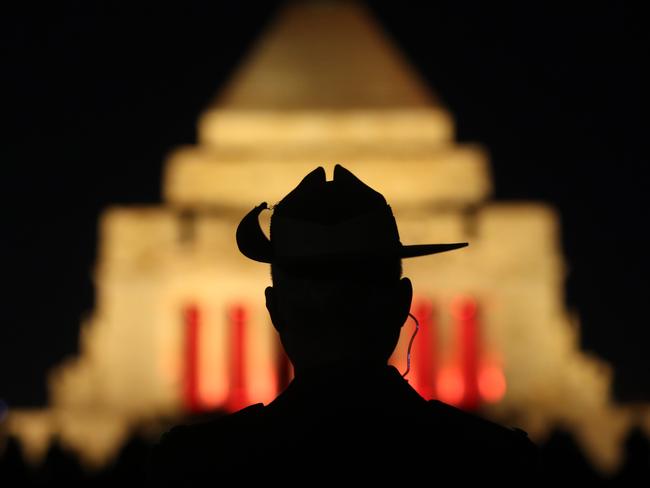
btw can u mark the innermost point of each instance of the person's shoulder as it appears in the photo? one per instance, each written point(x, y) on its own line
point(198, 434)
point(475, 426)
point(466, 440)
point(487, 440)
point(184, 448)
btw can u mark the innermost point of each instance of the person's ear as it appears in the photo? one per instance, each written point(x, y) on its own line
point(405, 297)
point(272, 307)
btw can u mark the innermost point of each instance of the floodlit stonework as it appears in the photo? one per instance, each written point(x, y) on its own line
point(325, 86)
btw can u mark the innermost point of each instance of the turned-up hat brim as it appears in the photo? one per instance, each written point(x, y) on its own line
point(371, 233)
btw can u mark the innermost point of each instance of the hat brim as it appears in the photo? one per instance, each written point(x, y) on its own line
point(254, 244)
point(416, 250)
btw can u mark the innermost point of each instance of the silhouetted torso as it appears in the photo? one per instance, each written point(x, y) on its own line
point(346, 424)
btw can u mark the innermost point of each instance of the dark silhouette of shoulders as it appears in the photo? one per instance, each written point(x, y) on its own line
point(395, 434)
point(338, 303)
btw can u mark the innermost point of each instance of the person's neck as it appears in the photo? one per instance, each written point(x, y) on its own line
point(336, 385)
point(340, 371)
point(352, 382)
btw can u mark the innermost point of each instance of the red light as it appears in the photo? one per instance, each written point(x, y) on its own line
point(450, 386)
point(492, 383)
point(211, 399)
point(425, 350)
point(237, 314)
point(191, 377)
point(238, 397)
point(464, 308)
point(464, 311)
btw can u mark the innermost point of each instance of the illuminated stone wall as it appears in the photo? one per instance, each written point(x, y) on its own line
point(324, 86)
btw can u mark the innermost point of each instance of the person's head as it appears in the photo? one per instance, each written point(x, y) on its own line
point(338, 296)
point(340, 312)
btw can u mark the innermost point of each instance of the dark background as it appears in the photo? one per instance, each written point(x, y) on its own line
point(95, 96)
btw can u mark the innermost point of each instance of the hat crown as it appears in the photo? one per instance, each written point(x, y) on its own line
point(320, 220)
point(343, 218)
point(329, 202)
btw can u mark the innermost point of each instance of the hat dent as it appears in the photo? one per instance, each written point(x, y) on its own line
point(343, 218)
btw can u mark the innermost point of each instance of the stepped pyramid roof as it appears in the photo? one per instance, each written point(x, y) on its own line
point(325, 85)
point(325, 55)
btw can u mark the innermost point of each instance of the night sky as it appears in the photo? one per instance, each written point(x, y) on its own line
point(95, 97)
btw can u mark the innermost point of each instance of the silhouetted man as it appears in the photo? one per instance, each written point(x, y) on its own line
point(338, 302)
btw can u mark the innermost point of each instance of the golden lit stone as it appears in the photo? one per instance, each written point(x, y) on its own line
point(323, 86)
